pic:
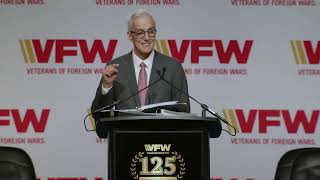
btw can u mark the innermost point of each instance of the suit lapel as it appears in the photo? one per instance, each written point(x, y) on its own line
point(131, 81)
point(157, 65)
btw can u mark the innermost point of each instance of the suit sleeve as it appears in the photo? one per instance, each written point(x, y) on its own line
point(101, 100)
point(180, 81)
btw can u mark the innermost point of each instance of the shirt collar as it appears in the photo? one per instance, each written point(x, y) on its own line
point(137, 60)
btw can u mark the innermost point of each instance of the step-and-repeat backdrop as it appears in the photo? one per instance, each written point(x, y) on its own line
point(255, 62)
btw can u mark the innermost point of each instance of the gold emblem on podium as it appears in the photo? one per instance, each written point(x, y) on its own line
point(158, 163)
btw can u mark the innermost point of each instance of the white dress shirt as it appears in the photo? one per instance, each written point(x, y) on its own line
point(136, 63)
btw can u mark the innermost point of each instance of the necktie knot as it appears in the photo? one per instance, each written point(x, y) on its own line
point(143, 65)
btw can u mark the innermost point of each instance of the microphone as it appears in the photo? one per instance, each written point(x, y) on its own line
point(115, 103)
point(205, 108)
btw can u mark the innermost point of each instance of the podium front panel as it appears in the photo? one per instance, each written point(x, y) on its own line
point(159, 155)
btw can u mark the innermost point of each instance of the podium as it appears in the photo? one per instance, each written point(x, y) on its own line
point(157, 147)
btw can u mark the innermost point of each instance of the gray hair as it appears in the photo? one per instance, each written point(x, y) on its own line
point(136, 14)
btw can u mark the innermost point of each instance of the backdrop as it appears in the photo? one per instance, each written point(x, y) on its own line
point(255, 62)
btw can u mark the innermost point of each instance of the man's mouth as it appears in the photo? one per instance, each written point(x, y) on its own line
point(146, 44)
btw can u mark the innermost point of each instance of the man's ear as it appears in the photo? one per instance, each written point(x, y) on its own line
point(129, 35)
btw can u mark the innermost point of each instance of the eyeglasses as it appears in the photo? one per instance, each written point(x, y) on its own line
point(141, 33)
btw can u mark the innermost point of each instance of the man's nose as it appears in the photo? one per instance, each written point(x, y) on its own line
point(146, 36)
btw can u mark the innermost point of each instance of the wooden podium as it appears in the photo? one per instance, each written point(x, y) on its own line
point(157, 147)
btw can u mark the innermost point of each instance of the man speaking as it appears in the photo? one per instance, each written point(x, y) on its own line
point(126, 75)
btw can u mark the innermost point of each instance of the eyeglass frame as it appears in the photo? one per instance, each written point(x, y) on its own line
point(135, 33)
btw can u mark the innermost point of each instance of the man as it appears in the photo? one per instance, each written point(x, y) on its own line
point(126, 75)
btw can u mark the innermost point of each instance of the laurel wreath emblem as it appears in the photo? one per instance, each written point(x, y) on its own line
point(137, 157)
point(181, 163)
point(133, 165)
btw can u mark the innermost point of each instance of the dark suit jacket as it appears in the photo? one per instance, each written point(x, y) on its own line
point(126, 85)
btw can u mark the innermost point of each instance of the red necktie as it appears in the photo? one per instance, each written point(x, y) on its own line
point(142, 83)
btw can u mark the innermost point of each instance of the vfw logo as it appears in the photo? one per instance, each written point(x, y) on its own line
point(158, 162)
point(245, 120)
point(23, 120)
point(216, 49)
point(305, 51)
point(57, 50)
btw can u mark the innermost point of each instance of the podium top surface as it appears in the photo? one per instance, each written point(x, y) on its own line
point(158, 117)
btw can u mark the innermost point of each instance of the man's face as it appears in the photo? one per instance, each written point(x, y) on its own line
point(142, 36)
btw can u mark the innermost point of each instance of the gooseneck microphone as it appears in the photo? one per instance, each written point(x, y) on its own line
point(115, 103)
point(204, 107)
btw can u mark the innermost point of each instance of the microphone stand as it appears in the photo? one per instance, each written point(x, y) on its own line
point(115, 103)
point(205, 108)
